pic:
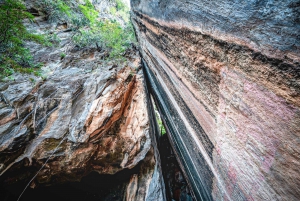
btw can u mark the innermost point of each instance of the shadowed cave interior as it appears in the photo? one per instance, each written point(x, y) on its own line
point(96, 187)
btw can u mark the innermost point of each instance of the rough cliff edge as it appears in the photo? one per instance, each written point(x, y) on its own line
point(226, 78)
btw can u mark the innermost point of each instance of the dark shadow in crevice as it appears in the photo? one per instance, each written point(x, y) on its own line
point(93, 187)
point(177, 188)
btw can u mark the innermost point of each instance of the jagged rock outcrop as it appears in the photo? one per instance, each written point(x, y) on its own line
point(86, 114)
point(226, 78)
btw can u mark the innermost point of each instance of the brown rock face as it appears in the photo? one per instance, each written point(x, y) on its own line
point(95, 123)
point(75, 123)
point(230, 96)
point(87, 114)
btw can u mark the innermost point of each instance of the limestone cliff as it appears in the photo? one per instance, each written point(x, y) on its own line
point(226, 78)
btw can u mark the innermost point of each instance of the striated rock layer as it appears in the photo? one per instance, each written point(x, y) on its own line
point(226, 78)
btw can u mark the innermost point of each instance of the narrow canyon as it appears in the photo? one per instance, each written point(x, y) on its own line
point(205, 106)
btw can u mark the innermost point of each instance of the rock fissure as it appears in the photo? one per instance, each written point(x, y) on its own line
point(223, 76)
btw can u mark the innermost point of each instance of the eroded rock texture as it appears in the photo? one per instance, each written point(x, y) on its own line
point(96, 120)
point(226, 78)
point(87, 114)
point(76, 123)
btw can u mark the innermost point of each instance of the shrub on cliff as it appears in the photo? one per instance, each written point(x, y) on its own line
point(89, 30)
point(14, 56)
point(115, 37)
point(103, 32)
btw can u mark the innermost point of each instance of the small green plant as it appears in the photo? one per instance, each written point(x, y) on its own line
point(14, 56)
point(86, 36)
point(53, 39)
point(159, 121)
point(32, 80)
point(161, 126)
point(62, 55)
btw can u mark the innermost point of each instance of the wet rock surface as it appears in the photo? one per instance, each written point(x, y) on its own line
point(227, 83)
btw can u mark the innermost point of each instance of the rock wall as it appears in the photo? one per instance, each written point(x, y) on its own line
point(86, 114)
point(226, 78)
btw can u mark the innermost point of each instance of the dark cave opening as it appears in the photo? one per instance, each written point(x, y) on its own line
point(96, 187)
point(93, 187)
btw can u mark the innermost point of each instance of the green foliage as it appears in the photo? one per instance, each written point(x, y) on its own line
point(113, 11)
point(56, 9)
point(88, 29)
point(67, 11)
point(161, 126)
point(62, 55)
point(86, 37)
point(13, 55)
point(120, 5)
point(159, 121)
point(88, 10)
point(53, 39)
point(121, 10)
point(116, 38)
point(109, 33)
point(63, 7)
